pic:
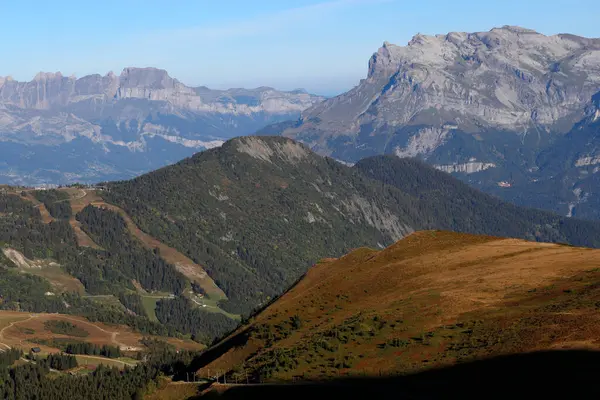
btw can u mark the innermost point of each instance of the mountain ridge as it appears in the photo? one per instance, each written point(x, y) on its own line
point(317, 207)
point(57, 129)
point(427, 63)
point(433, 299)
point(114, 86)
point(484, 106)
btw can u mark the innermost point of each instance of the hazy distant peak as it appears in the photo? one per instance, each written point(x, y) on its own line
point(4, 79)
point(143, 70)
point(46, 76)
point(515, 29)
point(147, 77)
point(264, 88)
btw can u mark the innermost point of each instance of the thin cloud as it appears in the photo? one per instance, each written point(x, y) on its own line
point(262, 24)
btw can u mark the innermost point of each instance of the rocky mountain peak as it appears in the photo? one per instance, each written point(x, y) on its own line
point(504, 45)
point(153, 117)
point(455, 99)
point(47, 76)
point(385, 60)
point(515, 29)
point(4, 79)
point(506, 78)
point(153, 78)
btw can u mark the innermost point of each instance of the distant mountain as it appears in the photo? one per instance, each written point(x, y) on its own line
point(58, 129)
point(433, 299)
point(484, 106)
point(258, 211)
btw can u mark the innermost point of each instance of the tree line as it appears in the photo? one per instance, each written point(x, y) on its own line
point(34, 381)
point(56, 202)
point(60, 362)
point(126, 254)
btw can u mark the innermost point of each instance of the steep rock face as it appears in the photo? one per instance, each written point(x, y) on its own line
point(572, 168)
point(143, 114)
point(509, 78)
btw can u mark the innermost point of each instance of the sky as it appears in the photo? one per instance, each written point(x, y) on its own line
point(321, 45)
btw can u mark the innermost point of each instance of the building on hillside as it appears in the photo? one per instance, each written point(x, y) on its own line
point(35, 349)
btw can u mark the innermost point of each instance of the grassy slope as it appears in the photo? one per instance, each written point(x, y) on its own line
point(21, 329)
point(432, 299)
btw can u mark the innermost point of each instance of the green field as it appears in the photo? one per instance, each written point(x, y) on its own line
point(149, 303)
point(83, 360)
point(212, 306)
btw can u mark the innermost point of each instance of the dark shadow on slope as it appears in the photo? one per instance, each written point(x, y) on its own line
point(544, 375)
point(218, 350)
point(223, 345)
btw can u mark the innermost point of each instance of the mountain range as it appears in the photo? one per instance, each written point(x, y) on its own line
point(57, 129)
point(511, 111)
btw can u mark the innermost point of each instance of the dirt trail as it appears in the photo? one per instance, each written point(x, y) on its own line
point(10, 326)
point(83, 240)
point(185, 265)
point(46, 217)
point(78, 202)
point(80, 198)
point(113, 335)
point(84, 356)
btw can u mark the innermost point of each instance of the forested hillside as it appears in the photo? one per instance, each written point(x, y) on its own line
point(127, 255)
point(56, 202)
point(109, 271)
point(37, 381)
point(453, 205)
point(257, 212)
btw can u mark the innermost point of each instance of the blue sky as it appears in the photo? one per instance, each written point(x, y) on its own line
point(320, 45)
